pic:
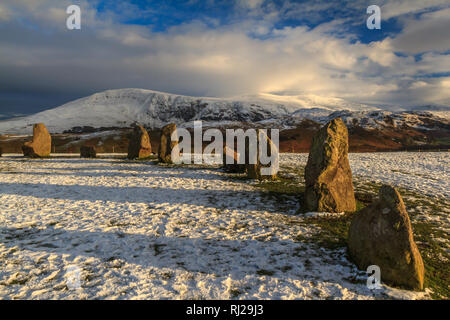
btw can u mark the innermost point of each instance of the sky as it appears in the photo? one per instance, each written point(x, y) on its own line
point(219, 48)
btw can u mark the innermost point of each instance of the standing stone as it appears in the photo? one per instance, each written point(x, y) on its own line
point(88, 152)
point(166, 145)
point(232, 167)
point(41, 145)
point(139, 146)
point(381, 235)
point(254, 170)
point(328, 176)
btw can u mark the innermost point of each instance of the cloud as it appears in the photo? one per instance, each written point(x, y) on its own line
point(395, 8)
point(39, 55)
point(251, 4)
point(429, 32)
point(4, 13)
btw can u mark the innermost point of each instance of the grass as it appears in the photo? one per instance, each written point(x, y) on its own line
point(333, 231)
point(280, 188)
point(434, 254)
point(437, 271)
point(442, 141)
point(152, 158)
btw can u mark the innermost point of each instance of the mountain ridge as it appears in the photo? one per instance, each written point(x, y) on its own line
point(123, 107)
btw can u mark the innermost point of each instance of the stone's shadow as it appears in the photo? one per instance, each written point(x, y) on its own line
point(223, 258)
point(103, 168)
point(86, 173)
point(149, 170)
point(199, 196)
point(67, 159)
point(157, 195)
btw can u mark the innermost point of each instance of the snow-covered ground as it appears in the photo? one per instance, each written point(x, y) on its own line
point(425, 172)
point(138, 230)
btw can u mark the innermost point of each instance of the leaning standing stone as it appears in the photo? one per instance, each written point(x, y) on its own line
point(328, 176)
point(139, 146)
point(381, 235)
point(166, 145)
point(41, 145)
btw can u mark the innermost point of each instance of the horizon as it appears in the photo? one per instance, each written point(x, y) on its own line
point(284, 99)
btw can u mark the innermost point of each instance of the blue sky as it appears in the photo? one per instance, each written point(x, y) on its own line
point(225, 49)
point(159, 16)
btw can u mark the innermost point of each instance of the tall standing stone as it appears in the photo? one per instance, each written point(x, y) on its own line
point(166, 145)
point(381, 235)
point(139, 146)
point(41, 144)
point(328, 176)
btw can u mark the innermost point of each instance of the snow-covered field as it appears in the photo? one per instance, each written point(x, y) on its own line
point(138, 230)
point(424, 172)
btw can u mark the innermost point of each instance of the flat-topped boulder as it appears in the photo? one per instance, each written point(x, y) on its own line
point(381, 235)
point(167, 144)
point(41, 144)
point(139, 146)
point(328, 176)
point(88, 152)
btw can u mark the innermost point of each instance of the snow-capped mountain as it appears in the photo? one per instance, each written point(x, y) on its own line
point(380, 119)
point(123, 107)
point(120, 108)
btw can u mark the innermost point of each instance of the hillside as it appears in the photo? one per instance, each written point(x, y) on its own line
point(298, 117)
point(121, 108)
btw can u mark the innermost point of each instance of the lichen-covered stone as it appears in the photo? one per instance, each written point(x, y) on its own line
point(139, 146)
point(328, 176)
point(381, 235)
point(41, 144)
point(166, 145)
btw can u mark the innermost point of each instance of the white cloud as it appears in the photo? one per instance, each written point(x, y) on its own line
point(394, 8)
point(427, 33)
point(251, 4)
point(223, 61)
point(4, 13)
